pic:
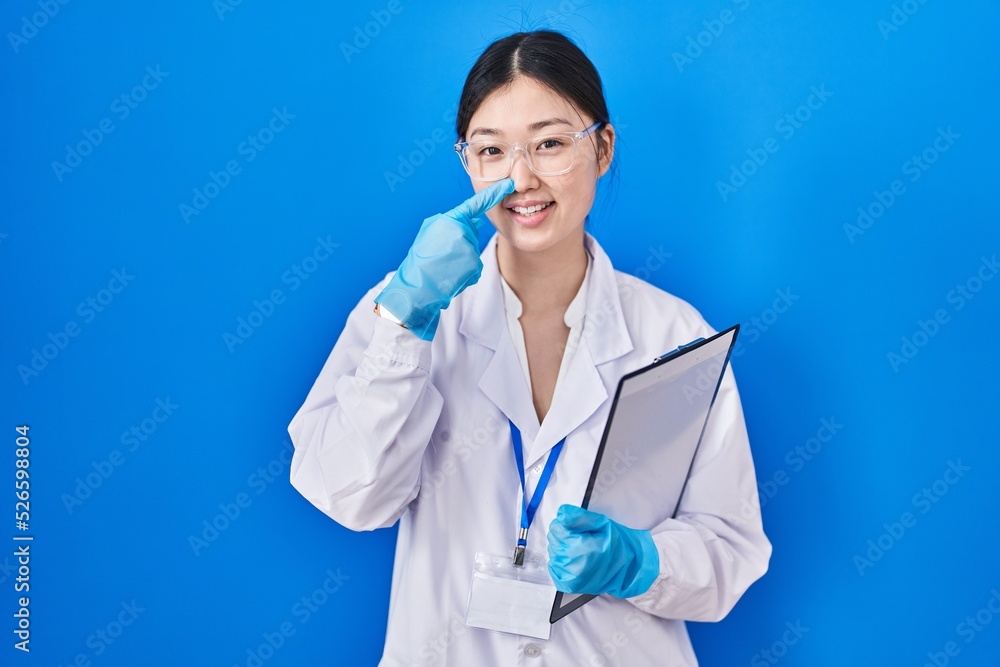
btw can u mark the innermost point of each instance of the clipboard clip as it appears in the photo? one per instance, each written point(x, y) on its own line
point(679, 348)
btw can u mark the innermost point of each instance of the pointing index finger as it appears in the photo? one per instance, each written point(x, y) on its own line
point(485, 199)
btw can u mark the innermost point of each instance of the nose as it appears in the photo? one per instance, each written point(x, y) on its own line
point(524, 178)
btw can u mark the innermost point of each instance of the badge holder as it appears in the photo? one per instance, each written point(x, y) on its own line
point(509, 598)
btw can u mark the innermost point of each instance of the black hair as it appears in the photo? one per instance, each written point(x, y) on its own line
point(548, 57)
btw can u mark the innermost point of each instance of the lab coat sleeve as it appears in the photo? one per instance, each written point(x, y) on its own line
point(715, 547)
point(361, 434)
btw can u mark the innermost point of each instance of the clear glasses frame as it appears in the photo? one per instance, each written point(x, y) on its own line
point(575, 137)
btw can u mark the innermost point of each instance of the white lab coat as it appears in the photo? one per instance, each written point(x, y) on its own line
point(400, 429)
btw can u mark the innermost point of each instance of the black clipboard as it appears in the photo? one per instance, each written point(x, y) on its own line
point(676, 391)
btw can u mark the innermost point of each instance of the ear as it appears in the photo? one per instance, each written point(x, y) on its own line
point(608, 135)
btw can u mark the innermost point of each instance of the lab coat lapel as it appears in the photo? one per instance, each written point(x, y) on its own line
point(504, 383)
point(580, 394)
point(484, 322)
point(582, 390)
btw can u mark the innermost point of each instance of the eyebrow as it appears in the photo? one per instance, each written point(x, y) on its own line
point(534, 127)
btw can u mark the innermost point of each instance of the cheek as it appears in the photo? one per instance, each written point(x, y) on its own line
point(496, 215)
point(577, 191)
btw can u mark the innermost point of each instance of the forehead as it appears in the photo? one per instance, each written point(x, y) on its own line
point(514, 108)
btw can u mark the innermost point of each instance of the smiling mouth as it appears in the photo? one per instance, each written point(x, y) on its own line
point(530, 210)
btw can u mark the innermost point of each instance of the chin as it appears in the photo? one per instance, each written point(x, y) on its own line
point(535, 240)
point(528, 244)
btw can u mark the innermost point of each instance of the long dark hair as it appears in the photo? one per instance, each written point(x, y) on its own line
point(544, 55)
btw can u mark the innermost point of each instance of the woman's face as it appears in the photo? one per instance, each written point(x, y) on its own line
point(521, 111)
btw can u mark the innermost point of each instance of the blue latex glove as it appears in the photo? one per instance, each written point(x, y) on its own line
point(443, 261)
point(590, 553)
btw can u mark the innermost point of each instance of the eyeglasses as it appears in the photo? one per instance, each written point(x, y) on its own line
point(546, 155)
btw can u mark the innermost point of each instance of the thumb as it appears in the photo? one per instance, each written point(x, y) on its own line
point(578, 519)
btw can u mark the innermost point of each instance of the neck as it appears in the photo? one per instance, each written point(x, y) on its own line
point(545, 281)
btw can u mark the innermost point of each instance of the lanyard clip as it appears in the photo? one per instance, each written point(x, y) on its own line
point(522, 543)
point(519, 555)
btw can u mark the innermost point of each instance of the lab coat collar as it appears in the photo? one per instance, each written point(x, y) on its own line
point(582, 390)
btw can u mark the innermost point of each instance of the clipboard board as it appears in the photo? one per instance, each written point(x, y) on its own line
point(651, 438)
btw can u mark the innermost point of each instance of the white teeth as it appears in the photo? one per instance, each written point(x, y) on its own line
point(530, 210)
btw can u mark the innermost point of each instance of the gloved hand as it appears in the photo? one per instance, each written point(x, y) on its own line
point(443, 261)
point(590, 553)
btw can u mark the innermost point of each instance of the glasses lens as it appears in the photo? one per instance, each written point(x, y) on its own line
point(552, 155)
point(487, 160)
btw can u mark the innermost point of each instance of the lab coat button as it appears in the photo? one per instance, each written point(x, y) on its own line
point(537, 470)
point(532, 651)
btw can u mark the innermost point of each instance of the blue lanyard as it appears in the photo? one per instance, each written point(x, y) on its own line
point(528, 508)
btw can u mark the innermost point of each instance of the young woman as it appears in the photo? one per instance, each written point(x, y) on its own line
point(472, 365)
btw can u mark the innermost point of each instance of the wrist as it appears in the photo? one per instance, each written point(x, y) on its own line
point(421, 320)
point(385, 314)
point(647, 564)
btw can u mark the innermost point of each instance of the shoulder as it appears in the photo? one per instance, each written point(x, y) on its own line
point(635, 294)
point(648, 308)
point(654, 317)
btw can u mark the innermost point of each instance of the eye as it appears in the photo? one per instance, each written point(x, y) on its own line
point(549, 144)
point(489, 151)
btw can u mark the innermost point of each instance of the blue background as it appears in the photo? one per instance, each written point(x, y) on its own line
point(385, 105)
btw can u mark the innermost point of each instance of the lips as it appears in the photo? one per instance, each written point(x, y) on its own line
point(529, 213)
point(530, 210)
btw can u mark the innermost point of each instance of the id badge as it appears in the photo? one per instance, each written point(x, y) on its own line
point(505, 598)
